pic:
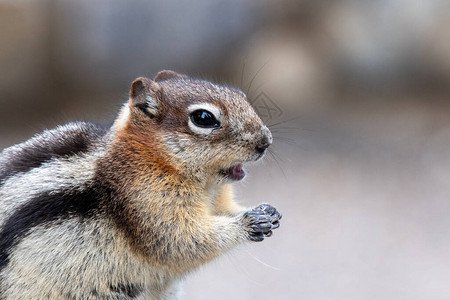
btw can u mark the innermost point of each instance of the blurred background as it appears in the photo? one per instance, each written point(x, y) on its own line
point(357, 93)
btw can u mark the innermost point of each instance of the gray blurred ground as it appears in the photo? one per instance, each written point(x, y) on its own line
point(365, 203)
point(362, 175)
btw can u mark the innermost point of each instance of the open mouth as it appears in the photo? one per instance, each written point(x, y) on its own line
point(235, 172)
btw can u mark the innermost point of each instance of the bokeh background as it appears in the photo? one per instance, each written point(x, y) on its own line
point(357, 93)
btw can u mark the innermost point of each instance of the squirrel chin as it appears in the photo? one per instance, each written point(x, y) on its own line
point(235, 172)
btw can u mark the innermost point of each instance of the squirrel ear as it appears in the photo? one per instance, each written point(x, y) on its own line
point(145, 95)
point(167, 74)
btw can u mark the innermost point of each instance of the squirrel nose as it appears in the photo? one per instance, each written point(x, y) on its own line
point(265, 141)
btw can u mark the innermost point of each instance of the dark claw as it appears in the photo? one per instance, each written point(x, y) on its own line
point(256, 237)
point(277, 215)
point(275, 225)
point(263, 227)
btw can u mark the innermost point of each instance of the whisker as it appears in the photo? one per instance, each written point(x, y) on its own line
point(263, 263)
point(284, 138)
point(284, 121)
point(297, 133)
point(289, 127)
point(274, 156)
point(254, 77)
point(288, 142)
point(285, 131)
point(242, 72)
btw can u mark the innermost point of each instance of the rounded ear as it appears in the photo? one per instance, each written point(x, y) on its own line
point(145, 95)
point(167, 74)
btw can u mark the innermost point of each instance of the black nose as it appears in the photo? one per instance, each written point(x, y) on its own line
point(263, 144)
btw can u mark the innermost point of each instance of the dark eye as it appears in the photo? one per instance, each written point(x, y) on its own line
point(205, 119)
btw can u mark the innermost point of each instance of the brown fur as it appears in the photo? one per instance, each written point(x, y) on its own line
point(165, 198)
point(159, 188)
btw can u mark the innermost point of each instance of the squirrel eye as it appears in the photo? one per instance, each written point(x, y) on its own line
point(205, 119)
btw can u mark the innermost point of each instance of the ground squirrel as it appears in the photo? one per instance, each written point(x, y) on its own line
point(126, 212)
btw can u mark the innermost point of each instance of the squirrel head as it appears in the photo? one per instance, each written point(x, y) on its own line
point(201, 129)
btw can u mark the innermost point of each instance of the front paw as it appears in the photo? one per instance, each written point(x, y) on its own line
point(273, 212)
point(260, 221)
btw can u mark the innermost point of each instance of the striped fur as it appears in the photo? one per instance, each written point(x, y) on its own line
point(127, 212)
